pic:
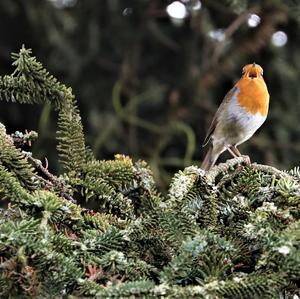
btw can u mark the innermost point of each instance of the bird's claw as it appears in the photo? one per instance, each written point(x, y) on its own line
point(246, 159)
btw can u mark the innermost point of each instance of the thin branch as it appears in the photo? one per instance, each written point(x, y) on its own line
point(53, 180)
point(230, 30)
point(224, 167)
point(271, 170)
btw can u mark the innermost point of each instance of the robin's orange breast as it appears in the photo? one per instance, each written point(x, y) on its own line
point(253, 95)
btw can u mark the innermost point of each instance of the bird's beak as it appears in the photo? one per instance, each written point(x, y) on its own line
point(253, 72)
point(252, 75)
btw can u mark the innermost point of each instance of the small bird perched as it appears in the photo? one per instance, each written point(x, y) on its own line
point(243, 110)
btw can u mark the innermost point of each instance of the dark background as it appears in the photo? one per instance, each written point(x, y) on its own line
point(168, 74)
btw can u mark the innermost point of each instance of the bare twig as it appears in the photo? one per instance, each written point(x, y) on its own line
point(21, 139)
point(53, 180)
point(230, 30)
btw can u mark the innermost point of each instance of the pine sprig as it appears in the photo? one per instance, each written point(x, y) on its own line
point(71, 145)
point(30, 83)
point(15, 161)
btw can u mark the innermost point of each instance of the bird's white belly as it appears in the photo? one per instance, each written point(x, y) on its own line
point(236, 124)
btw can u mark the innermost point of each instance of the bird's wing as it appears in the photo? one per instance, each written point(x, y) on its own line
point(214, 122)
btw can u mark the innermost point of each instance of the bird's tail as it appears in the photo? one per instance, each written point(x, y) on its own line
point(211, 157)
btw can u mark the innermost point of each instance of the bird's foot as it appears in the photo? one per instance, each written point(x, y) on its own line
point(233, 150)
point(246, 159)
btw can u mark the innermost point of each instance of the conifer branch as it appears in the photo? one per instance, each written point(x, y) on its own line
point(224, 167)
point(271, 170)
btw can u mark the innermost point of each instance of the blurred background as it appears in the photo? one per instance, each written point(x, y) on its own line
point(149, 75)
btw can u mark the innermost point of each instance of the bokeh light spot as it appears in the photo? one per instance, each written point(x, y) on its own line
point(63, 3)
point(218, 35)
point(279, 39)
point(196, 5)
point(127, 11)
point(253, 20)
point(177, 10)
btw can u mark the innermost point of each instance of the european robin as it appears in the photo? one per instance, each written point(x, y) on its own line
point(242, 111)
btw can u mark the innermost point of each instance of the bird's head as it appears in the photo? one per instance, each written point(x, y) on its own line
point(253, 71)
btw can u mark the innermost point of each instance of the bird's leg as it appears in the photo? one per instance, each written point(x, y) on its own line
point(230, 150)
point(237, 152)
point(233, 150)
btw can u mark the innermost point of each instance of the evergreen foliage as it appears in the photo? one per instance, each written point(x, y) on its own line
point(233, 232)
